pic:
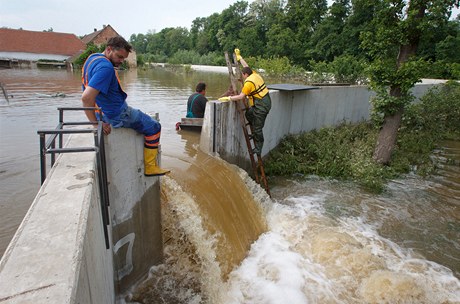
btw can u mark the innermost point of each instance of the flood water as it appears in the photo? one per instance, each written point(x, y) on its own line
point(321, 241)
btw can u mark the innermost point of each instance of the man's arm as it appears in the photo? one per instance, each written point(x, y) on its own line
point(88, 99)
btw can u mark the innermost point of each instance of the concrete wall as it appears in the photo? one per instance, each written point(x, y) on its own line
point(58, 254)
point(292, 112)
point(135, 209)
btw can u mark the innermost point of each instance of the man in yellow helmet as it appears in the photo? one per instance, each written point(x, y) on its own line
point(259, 101)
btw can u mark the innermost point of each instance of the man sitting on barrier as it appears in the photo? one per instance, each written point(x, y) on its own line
point(102, 88)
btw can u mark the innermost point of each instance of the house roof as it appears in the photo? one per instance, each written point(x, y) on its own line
point(88, 38)
point(40, 42)
point(93, 36)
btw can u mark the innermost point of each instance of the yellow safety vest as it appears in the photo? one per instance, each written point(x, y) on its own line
point(254, 87)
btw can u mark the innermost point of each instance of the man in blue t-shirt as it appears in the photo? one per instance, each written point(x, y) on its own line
point(101, 88)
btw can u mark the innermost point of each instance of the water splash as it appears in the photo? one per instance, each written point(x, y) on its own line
point(189, 254)
point(310, 257)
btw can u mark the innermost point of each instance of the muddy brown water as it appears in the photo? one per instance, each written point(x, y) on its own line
point(318, 241)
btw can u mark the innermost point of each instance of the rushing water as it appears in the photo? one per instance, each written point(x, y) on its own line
point(324, 241)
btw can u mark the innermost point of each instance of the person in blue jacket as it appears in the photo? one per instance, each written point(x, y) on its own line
point(102, 89)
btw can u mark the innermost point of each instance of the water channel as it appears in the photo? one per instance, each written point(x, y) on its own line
point(324, 241)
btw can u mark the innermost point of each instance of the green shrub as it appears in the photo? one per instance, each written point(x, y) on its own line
point(212, 58)
point(344, 69)
point(90, 49)
point(278, 66)
point(140, 60)
point(184, 57)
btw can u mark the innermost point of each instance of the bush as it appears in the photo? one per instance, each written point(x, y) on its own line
point(348, 69)
point(90, 49)
point(278, 66)
point(212, 58)
point(185, 57)
point(344, 69)
point(344, 152)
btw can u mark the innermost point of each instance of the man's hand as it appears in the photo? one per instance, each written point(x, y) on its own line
point(238, 55)
point(224, 99)
point(106, 128)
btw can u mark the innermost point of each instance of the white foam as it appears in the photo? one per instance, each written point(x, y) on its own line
point(308, 257)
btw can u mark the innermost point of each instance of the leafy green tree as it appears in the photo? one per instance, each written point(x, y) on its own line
point(303, 17)
point(448, 49)
point(398, 28)
point(232, 21)
point(177, 39)
point(210, 31)
point(348, 69)
point(359, 20)
point(261, 17)
point(139, 42)
point(327, 41)
point(197, 35)
point(280, 41)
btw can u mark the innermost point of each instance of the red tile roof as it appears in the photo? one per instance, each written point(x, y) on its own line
point(40, 42)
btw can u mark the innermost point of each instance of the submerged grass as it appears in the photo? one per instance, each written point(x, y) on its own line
point(345, 152)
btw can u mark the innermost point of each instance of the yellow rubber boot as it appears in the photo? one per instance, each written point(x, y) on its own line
point(150, 163)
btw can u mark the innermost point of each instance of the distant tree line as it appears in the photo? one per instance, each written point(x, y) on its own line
point(308, 33)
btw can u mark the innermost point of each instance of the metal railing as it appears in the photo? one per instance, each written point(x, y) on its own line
point(49, 147)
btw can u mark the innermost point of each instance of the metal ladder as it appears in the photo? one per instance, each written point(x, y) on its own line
point(242, 106)
point(49, 147)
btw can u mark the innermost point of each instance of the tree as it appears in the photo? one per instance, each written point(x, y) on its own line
point(232, 21)
point(359, 20)
point(327, 42)
point(262, 16)
point(396, 67)
point(198, 36)
point(139, 42)
point(303, 17)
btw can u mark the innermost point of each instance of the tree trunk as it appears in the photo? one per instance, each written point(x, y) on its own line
point(386, 140)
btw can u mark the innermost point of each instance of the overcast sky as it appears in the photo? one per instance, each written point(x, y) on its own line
point(127, 17)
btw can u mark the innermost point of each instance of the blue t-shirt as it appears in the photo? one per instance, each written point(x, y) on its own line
point(99, 73)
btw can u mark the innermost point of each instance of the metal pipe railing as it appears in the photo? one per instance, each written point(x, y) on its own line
point(49, 147)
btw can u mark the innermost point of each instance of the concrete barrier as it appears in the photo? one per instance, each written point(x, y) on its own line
point(135, 208)
point(292, 112)
point(58, 254)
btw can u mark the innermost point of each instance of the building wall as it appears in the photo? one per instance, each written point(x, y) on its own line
point(31, 56)
point(107, 33)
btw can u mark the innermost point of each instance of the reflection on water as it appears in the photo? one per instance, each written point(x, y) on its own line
point(323, 241)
